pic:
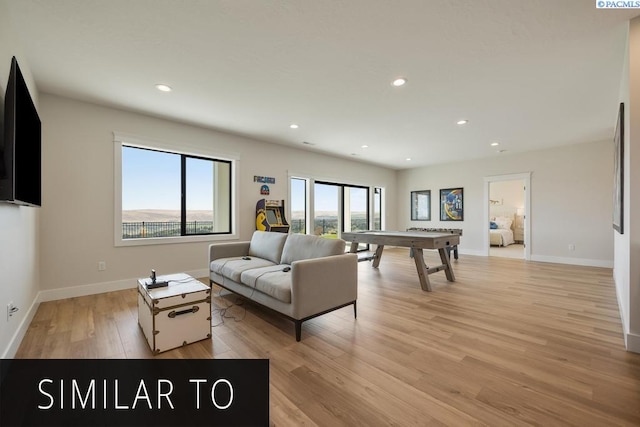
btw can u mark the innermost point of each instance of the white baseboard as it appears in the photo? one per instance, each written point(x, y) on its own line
point(632, 342)
point(621, 311)
point(83, 290)
point(469, 252)
point(17, 337)
point(573, 261)
point(71, 292)
point(99, 288)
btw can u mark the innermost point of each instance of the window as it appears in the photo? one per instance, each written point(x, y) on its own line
point(328, 209)
point(168, 196)
point(355, 212)
point(340, 207)
point(298, 205)
point(377, 209)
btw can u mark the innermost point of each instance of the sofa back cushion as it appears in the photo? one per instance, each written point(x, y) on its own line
point(303, 246)
point(267, 245)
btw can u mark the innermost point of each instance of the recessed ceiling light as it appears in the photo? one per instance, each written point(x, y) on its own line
point(364, 146)
point(495, 144)
point(400, 81)
point(294, 126)
point(163, 88)
point(408, 159)
point(462, 122)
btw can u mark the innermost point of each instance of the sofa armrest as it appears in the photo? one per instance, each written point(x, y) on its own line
point(226, 250)
point(320, 284)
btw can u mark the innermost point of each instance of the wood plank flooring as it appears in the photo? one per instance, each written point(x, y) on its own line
point(509, 343)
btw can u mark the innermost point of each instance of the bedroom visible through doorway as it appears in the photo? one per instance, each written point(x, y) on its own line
point(507, 218)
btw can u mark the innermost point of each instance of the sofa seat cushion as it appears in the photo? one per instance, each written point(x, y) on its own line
point(302, 246)
point(270, 280)
point(232, 268)
point(267, 245)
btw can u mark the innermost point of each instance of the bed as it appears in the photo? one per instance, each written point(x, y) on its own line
point(501, 231)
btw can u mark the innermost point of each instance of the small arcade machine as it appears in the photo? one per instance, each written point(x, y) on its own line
point(270, 216)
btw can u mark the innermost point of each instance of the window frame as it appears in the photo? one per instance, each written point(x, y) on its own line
point(341, 202)
point(311, 180)
point(306, 203)
point(381, 203)
point(121, 140)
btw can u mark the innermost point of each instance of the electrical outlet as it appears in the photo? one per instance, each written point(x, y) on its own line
point(102, 265)
point(572, 247)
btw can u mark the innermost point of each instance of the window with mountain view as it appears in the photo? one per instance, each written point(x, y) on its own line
point(298, 205)
point(167, 194)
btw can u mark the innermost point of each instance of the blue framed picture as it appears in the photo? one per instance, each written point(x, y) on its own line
point(451, 204)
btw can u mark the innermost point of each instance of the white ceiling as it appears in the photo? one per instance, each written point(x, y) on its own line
point(529, 74)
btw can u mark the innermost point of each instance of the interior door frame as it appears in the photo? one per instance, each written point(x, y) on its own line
point(526, 177)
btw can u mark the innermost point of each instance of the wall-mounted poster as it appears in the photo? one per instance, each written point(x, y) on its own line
point(451, 207)
point(618, 173)
point(421, 205)
point(264, 179)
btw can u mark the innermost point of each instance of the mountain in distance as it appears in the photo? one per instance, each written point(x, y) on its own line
point(164, 215)
point(167, 215)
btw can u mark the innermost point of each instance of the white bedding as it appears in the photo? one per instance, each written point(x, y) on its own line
point(501, 237)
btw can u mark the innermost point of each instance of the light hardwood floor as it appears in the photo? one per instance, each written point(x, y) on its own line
point(509, 343)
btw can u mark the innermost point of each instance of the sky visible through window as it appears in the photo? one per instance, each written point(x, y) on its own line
point(325, 197)
point(151, 180)
point(199, 184)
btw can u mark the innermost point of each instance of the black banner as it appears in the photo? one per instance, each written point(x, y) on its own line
point(154, 392)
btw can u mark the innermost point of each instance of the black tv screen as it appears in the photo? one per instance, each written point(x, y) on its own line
point(20, 175)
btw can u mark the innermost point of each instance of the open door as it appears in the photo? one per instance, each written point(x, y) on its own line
point(507, 215)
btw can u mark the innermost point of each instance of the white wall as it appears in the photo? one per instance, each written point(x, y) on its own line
point(627, 245)
point(570, 200)
point(18, 225)
point(509, 195)
point(78, 193)
point(633, 174)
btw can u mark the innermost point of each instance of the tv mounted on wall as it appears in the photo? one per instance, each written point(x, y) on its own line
point(20, 151)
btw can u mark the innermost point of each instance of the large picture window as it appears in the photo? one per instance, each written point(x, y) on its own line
point(340, 207)
point(166, 194)
point(327, 209)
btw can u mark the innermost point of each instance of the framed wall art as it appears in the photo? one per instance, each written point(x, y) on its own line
point(451, 204)
point(421, 205)
point(618, 173)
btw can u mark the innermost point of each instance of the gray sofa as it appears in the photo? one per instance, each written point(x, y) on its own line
point(297, 275)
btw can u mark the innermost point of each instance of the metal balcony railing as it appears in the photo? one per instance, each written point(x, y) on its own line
point(146, 229)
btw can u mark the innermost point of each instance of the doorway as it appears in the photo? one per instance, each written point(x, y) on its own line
point(507, 208)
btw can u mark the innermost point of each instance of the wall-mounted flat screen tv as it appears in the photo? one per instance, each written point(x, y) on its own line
point(20, 152)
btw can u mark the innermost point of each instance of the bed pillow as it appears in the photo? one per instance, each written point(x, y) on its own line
point(493, 225)
point(503, 222)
